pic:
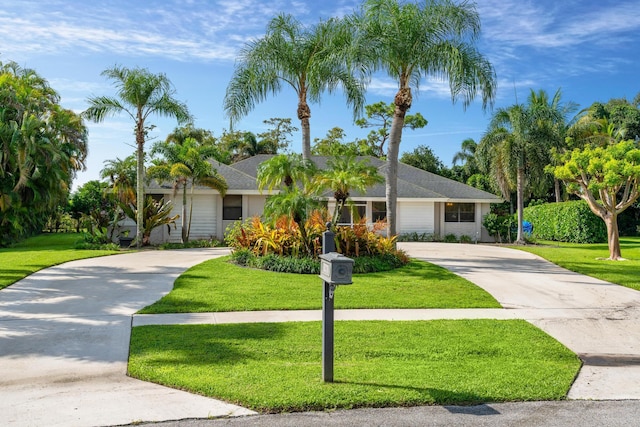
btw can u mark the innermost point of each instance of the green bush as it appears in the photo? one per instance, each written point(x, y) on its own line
point(288, 264)
point(416, 237)
point(566, 222)
point(499, 226)
point(451, 238)
point(466, 239)
point(203, 243)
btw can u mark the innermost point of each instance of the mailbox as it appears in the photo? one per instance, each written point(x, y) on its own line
point(336, 268)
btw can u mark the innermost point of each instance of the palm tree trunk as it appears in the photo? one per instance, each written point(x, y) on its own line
point(304, 113)
point(520, 202)
point(184, 233)
point(403, 103)
point(140, 185)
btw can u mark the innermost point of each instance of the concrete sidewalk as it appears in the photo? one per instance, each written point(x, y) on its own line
point(64, 331)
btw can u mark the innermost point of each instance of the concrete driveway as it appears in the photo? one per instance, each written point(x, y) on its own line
point(64, 344)
point(597, 320)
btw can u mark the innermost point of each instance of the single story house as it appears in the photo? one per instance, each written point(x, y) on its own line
point(427, 203)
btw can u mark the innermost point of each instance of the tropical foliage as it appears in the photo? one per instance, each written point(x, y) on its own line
point(140, 94)
point(518, 145)
point(344, 174)
point(186, 164)
point(255, 238)
point(156, 213)
point(42, 146)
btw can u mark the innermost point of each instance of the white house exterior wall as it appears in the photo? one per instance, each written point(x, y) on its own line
point(475, 230)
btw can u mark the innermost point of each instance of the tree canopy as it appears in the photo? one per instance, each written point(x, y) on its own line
point(42, 146)
point(608, 178)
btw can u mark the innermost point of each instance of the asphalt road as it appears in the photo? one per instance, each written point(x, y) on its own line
point(614, 413)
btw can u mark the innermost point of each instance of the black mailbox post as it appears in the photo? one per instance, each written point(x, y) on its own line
point(335, 269)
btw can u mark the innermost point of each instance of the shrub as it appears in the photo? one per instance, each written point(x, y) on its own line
point(466, 239)
point(203, 243)
point(566, 222)
point(416, 237)
point(499, 226)
point(284, 237)
point(451, 238)
point(279, 247)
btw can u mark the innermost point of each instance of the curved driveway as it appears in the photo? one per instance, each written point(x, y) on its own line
point(64, 331)
point(64, 344)
point(597, 320)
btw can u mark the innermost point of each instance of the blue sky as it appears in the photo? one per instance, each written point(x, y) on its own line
point(589, 49)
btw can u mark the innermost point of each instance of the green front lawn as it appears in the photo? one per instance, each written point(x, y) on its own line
point(588, 259)
point(39, 252)
point(217, 285)
point(275, 367)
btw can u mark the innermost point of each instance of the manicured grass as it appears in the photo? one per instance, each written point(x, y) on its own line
point(277, 367)
point(39, 252)
point(583, 258)
point(218, 285)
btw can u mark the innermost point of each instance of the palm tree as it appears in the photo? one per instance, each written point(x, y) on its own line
point(555, 115)
point(248, 146)
point(467, 157)
point(140, 94)
point(310, 60)
point(187, 165)
point(344, 174)
point(122, 178)
point(409, 41)
point(517, 148)
point(287, 169)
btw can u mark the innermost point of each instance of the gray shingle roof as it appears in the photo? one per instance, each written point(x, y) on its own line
point(413, 183)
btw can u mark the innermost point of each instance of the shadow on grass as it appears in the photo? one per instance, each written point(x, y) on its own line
point(207, 345)
point(440, 397)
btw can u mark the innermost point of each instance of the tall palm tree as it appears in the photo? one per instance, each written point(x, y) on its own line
point(187, 165)
point(409, 41)
point(517, 148)
point(467, 158)
point(555, 115)
point(310, 60)
point(140, 94)
point(344, 174)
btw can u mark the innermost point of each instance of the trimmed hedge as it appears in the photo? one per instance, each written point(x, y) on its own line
point(566, 222)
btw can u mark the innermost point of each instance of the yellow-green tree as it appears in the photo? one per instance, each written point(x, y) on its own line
point(608, 178)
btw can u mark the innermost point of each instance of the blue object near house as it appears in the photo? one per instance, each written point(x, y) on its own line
point(527, 228)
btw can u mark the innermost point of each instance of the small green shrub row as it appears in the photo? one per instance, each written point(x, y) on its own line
point(289, 264)
point(566, 222)
point(430, 237)
point(204, 243)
